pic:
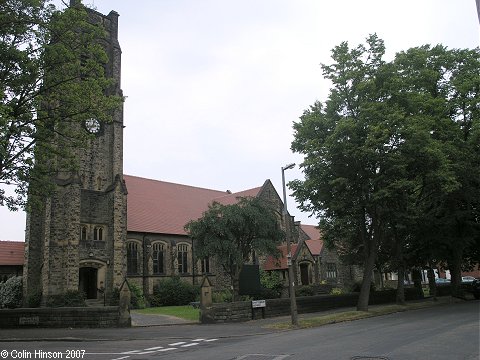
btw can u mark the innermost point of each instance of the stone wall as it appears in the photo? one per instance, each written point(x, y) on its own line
point(242, 311)
point(102, 317)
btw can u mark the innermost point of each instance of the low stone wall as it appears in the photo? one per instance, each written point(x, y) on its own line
point(81, 317)
point(242, 310)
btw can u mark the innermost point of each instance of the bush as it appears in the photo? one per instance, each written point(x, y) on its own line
point(137, 300)
point(222, 296)
point(11, 292)
point(71, 298)
point(305, 290)
point(173, 291)
point(358, 285)
point(272, 284)
point(336, 291)
point(34, 300)
point(115, 297)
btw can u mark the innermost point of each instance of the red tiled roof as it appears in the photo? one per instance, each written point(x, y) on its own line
point(281, 263)
point(12, 252)
point(162, 207)
point(315, 243)
point(232, 198)
point(315, 246)
point(312, 231)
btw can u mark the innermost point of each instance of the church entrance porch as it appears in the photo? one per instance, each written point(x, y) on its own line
point(88, 282)
point(304, 274)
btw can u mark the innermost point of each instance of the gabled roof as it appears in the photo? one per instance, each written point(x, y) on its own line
point(314, 245)
point(281, 263)
point(12, 252)
point(155, 206)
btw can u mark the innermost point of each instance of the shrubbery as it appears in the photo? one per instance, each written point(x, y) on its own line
point(222, 296)
point(272, 284)
point(11, 292)
point(305, 290)
point(173, 291)
point(71, 298)
point(137, 300)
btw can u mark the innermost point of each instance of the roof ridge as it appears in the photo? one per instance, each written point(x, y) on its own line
point(238, 192)
point(174, 183)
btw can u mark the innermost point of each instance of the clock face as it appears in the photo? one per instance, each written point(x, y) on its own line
point(92, 126)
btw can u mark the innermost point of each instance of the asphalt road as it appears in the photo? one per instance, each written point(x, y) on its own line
point(442, 332)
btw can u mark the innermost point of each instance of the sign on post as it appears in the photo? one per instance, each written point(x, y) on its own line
point(258, 304)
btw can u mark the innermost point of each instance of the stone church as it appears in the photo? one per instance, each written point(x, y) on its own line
point(81, 239)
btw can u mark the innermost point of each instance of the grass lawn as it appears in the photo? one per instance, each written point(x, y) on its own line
point(186, 312)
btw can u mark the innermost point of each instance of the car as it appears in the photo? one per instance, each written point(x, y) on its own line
point(442, 281)
point(474, 288)
point(467, 279)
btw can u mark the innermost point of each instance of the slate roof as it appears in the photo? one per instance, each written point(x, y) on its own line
point(12, 252)
point(161, 207)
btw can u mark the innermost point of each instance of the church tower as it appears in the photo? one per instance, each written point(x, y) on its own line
point(76, 241)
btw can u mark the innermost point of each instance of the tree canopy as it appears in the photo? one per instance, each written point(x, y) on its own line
point(52, 78)
point(383, 153)
point(233, 234)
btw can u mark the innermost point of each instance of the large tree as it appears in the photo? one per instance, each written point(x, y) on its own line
point(232, 234)
point(52, 79)
point(372, 154)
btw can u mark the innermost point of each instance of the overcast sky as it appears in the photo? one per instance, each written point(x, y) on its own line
point(214, 86)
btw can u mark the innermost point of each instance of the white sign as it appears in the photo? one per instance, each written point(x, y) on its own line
point(258, 304)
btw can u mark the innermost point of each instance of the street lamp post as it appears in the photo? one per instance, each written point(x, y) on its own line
point(291, 280)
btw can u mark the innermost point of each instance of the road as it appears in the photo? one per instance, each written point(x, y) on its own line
point(442, 332)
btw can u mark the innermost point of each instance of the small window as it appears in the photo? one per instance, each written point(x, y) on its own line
point(182, 257)
point(98, 233)
point(331, 270)
point(205, 265)
point(132, 258)
point(158, 257)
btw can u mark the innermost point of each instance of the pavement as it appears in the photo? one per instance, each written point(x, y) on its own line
point(148, 326)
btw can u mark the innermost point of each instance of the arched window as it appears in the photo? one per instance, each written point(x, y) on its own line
point(83, 233)
point(182, 257)
point(158, 258)
point(98, 233)
point(132, 258)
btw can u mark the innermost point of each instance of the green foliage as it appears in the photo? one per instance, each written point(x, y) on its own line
point(115, 297)
point(11, 292)
point(305, 290)
point(391, 157)
point(137, 300)
point(52, 79)
point(272, 284)
point(232, 233)
point(337, 291)
point(71, 298)
point(358, 285)
point(173, 291)
point(222, 296)
point(34, 300)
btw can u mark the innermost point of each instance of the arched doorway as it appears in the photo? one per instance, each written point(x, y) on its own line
point(88, 281)
point(304, 274)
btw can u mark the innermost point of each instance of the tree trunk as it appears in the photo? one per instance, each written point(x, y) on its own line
point(456, 272)
point(432, 287)
point(235, 274)
point(363, 298)
point(400, 300)
point(417, 281)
